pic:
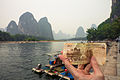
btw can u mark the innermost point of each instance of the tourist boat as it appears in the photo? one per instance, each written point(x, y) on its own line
point(54, 68)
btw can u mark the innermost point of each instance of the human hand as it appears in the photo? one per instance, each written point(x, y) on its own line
point(83, 74)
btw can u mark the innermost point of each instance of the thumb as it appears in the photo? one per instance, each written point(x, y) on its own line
point(70, 67)
point(95, 66)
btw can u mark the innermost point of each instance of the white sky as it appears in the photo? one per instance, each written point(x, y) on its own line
point(65, 15)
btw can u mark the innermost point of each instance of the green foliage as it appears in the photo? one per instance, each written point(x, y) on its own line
point(19, 37)
point(31, 39)
point(107, 30)
point(92, 33)
point(4, 36)
point(80, 38)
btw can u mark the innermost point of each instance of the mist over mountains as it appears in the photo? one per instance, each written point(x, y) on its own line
point(3, 29)
point(60, 35)
point(29, 26)
point(94, 26)
point(80, 32)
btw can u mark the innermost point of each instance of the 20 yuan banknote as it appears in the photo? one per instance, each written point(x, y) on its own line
point(81, 53)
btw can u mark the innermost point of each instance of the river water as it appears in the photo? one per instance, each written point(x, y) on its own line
point(17, 60)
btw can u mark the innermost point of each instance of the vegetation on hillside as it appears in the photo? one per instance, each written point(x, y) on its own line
point(108, 30)
point(80, 38)
point(4, 36)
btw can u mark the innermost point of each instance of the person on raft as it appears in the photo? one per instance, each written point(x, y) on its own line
point(39, 66)
point(56, 63)
point(83, 73)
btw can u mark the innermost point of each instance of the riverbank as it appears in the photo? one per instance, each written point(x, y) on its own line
point(54, 41)
point(111, 69)
point(31, 41)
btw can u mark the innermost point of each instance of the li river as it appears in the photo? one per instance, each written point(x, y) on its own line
point(17, 60)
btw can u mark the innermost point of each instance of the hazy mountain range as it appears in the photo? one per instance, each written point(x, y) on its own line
point(60, 35)
point(80, 33)
point(29, 26)
point(3, 29)
point(94, 26)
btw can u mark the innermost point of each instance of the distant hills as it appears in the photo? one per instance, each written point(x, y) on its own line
point(13, 29)
point(29, 26)
point(60, 35)
point(80, 33)
point(45, 28)
point(2, 29)
point(94, 26)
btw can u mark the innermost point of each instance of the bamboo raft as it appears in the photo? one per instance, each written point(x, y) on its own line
point(52, 73)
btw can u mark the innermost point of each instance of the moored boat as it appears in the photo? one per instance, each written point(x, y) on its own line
point(54, 68)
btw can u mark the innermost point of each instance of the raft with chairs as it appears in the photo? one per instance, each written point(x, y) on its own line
point(54, 68)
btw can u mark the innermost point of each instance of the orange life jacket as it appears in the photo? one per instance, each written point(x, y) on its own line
point(54, 62)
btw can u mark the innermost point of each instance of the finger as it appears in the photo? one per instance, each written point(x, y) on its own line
point(71, 68)
point(61, 52)
point(95, 66)
point(87, 69)
point(81, 66)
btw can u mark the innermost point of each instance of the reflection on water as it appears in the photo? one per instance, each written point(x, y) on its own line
point(17, 60)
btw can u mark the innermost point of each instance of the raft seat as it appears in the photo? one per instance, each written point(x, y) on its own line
point(68, 75)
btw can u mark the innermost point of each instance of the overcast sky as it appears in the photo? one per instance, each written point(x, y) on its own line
point(65, 15)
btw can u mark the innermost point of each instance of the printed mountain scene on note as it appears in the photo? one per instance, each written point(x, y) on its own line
point(81, 53)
